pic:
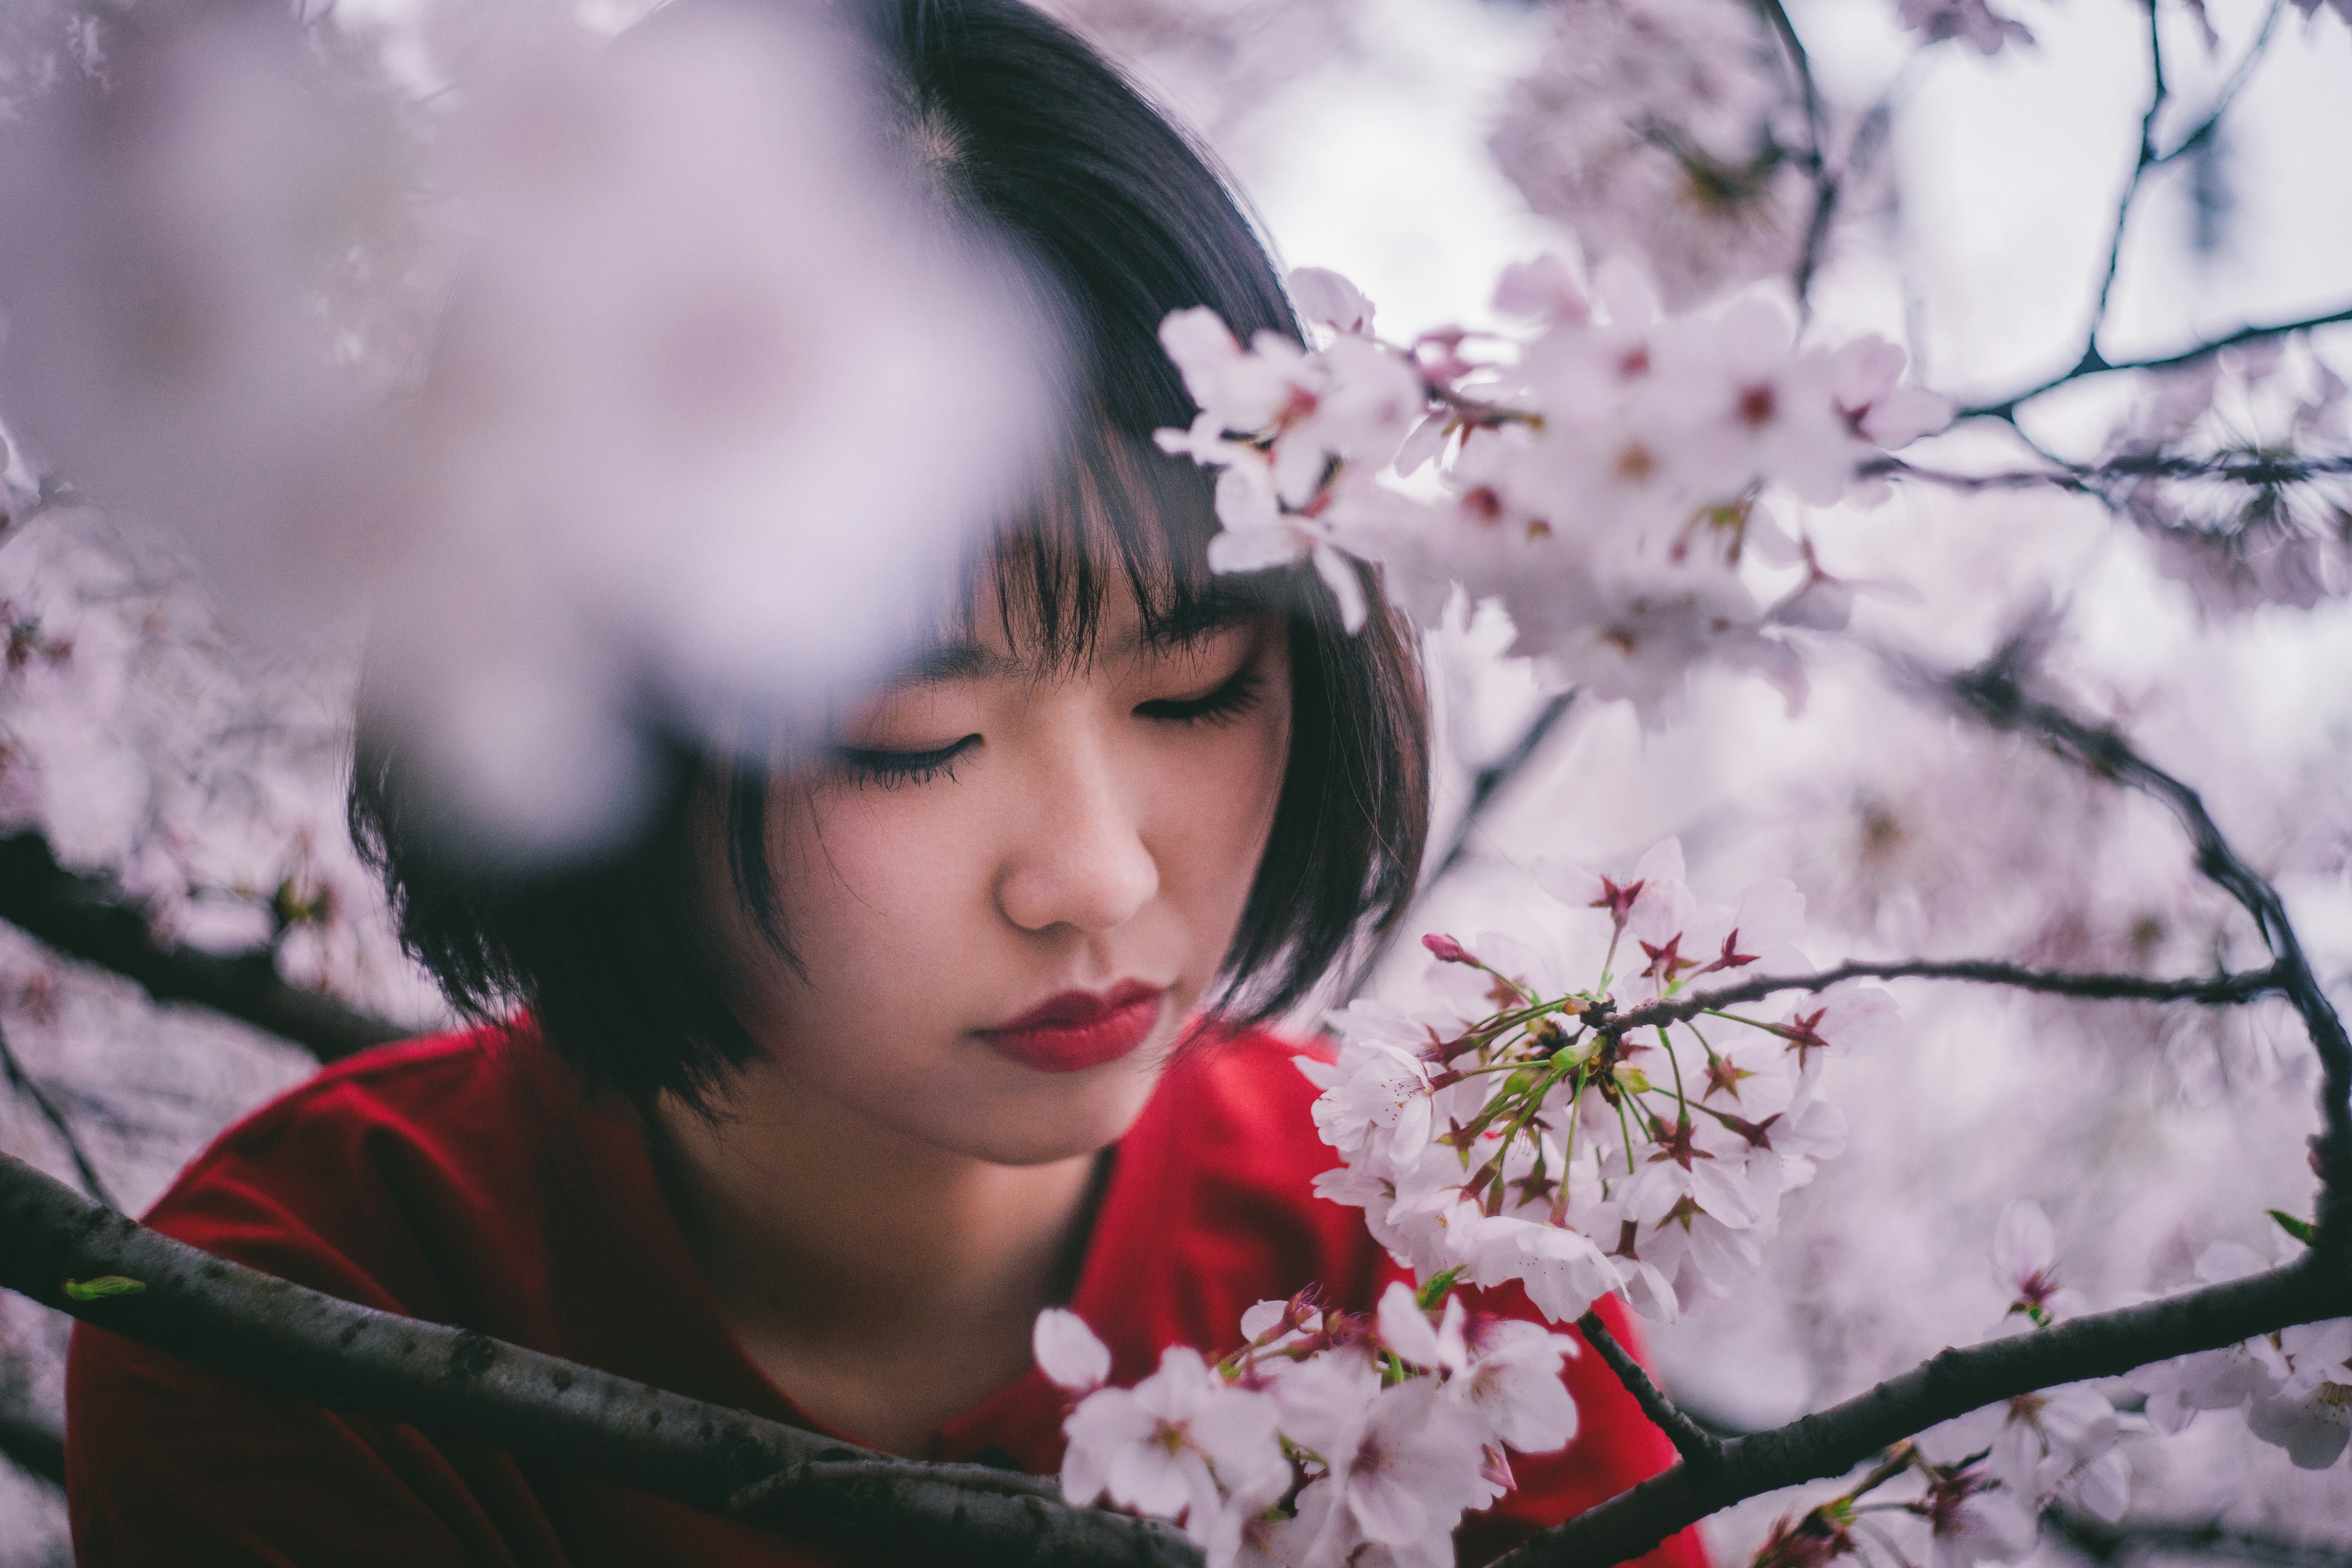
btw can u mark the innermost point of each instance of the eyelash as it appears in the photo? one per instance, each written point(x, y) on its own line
point(1234, 697)
point(891, 768)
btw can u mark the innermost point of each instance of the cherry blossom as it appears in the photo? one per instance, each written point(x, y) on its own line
point(2309, 1412)
point(2024, 1251)
point(1067, 1351)
point(1183, 1444)
point(1848, 1019)
point(1973, 21)
point(1599, 475)
point(2295, 1387)
point(1972, 1519)
point(1325, 1434)
point(1661, 129)
point(1649, 1165)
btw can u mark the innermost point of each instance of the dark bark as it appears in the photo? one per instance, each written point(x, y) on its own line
point(274, 1335)
point(86, 917)
point(33, 1445)
point(24, 1083)
point(2220, 990)
point(1952, 1382)
point(1700, 1450)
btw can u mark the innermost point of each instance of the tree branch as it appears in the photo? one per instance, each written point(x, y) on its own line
point(2217, 991)
point(33, 1445)
point(1994, 693)
point(22, 1082)
point(2158, 94)
point(1816, 158)
point(1952, 1382)
point(2093, 364)
point(2229, 89)
point(2090, 478)
point(86, 917)
point(2314, 1287)
point(2091, 361)
point(271, 1334)
point(1698, 1448)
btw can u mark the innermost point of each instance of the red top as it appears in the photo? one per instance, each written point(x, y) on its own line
point(466, 1181)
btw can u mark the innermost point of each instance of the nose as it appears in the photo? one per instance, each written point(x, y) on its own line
point(1080, 860)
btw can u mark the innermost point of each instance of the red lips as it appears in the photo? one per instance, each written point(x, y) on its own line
point(1080, 1029)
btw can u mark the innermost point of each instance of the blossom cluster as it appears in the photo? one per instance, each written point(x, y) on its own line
point(1606, 476)
point(1987, 1477)
point(2293, 1387)
point(1329, 1438)
point(2005, 1463)
point(2281, 532)
point(1667, 131)
point(1517, 1131)
point(2008, 1461)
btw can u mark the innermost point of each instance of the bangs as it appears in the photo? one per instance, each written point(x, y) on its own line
point(1116, 513)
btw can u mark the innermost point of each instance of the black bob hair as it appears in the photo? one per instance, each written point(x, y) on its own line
point(1024, 127)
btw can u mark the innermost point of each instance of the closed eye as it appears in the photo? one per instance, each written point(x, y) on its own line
point(890, 769)
point(1236, 696)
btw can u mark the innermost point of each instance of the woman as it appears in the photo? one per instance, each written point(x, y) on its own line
point(832, 1081)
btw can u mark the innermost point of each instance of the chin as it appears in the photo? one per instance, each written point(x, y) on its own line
point(1058, 1117)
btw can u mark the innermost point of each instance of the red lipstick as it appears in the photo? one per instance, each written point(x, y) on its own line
point(1079, 1029)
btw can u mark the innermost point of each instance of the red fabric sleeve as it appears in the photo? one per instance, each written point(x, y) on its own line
point(165, 1464)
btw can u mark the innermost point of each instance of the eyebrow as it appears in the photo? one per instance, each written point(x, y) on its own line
point(968, 660)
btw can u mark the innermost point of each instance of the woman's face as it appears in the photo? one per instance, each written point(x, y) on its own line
point(1012, 885)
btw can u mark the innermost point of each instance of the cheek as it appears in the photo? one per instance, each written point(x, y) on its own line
point(1214, 795)
point(863, 885)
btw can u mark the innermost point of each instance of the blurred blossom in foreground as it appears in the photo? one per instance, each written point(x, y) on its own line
point(714, 401)
point(1661, 131)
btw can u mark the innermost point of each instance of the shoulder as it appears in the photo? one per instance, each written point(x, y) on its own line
point(343, 1182)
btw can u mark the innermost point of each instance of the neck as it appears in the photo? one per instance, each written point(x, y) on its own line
point(908, 1241)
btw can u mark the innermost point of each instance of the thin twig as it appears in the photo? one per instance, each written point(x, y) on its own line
point(1994, 693)
point(2213, 991)
point(2006, 407)
point(86, 917)
point(2229, 89)
point(1691, 1440)
point(274, 1335)
point(1494, 778)
point(2233, 468)
point(32, 1444)
point(1815, 160)
point(2158, 94)
point(2091, 361)
point(22, 1082)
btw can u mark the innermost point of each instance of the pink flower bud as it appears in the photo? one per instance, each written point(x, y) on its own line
point(1446, 948)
